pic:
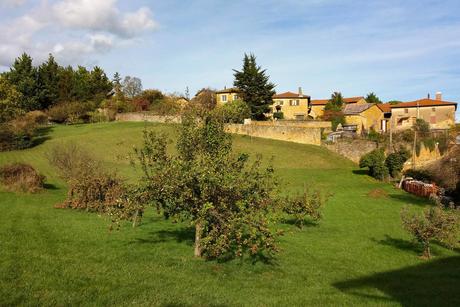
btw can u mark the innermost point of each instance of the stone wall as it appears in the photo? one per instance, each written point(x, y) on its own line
point(302, 135)
point(139, 117)
point(352, 149)
point(295, 123)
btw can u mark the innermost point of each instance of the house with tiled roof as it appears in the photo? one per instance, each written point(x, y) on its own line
point(438, 113)
point(227, 95)
point(293, 105)
point(317, 105)
point(364, 117)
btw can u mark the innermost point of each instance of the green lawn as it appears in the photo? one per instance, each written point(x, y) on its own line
point(358, 255)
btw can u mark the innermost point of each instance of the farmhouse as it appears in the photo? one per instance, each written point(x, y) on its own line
point(227, 95)
point(293, 105)
point(438, 113)
point(317, 105)
point(364, 117)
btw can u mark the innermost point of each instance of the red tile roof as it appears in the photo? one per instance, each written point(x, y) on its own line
point(321, 102)
point(385, 107)
point(289, 95)
point(424, 103)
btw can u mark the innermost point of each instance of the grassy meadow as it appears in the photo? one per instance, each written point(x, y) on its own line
point(357, 255)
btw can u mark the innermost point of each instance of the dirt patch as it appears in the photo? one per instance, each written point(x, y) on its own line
point(377, 193)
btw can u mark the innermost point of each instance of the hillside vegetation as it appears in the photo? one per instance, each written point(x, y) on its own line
point(358, 254)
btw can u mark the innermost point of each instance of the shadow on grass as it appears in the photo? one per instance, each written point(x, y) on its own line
point(41, 135)
point(361, 172)
point(293, 222)
point(181, 235)
point(50, 186)
point(400, 244)
point(434, 283)
point(410, 199)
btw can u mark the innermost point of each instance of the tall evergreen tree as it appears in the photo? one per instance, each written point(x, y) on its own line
point(82, 88)
point(117, 83)
point(66, 84)
point(99, 84)
point(48, 83)
point(372, 98)
point(335, 103)
point(23, 75)
point(256, 89)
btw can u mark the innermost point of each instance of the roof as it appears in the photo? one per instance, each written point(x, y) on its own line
point(289, 95)
point(320, 102)
point(353, 109)
point(385, 107)
point(228, 90)
point(424, 103)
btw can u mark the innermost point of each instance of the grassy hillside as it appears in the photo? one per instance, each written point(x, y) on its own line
point(358, 255)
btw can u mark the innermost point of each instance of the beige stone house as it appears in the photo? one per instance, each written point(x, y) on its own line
point(293, 105)
point(317, 105)
point(227, 95)
point(364, 117)
point(438, 113)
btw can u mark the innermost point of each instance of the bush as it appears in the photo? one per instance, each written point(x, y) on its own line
point(306, 205)
point(97, 117)
point(18, 133)
point(336, 117)
point(91, 188)
point(436, 223)
point(234, 112)
point(21, 177)
point(395, 161)
point(167, 106)
point(37, 117)
point(419, 174)
point(71, 112)
point(278, 115)
point(375, 162)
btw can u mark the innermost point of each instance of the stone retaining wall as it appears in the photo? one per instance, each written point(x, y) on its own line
point(139, 117)
point(294, 134)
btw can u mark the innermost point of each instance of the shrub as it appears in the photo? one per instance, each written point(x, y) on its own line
point(167, 106)
point(306, 205)
point(395, 161)
point(336, 117)
point(97, 117)
point(91, 188)
point(419, 174)
point(17, 134)
point(436, 223)
point(234, 112)
point(70, 112)
point(278, 115)
point(140, 104)
point(375, 162)
point(37, 117)
point(21, 177)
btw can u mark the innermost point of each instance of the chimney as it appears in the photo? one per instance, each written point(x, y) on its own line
point(438, 96)
point(300, 91)
point(428, 96)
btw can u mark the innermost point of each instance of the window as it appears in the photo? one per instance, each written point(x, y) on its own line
point(223, 98)
point(235, 97)
point(406, 111)
point(433, 109)
point(294, 102)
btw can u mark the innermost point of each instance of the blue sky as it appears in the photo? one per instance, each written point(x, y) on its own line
point(398, 49)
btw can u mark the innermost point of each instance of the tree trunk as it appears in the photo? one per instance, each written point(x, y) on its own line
point(198, 230)
point(135, 218)
point(426, 251)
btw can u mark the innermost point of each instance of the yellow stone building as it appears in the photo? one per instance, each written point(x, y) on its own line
point(317, 105)
point(227, 95)
point(438, 113)
point(364, 117)
point(293, 105)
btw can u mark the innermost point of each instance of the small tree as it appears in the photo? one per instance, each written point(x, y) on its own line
point(131, 86)
point(234, 112)
point(256, 89)
point(372, 98)
point(10, 106)
point(436, 223)
point(305, 205)
point(375, 162)
point(333, 110)
point(395, 161)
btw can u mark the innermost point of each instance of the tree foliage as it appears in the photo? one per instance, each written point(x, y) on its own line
point(375, 162)
point(10, 99)
point(232, 202)
point(234, 112)
point(436, 223)
point(256, 89)
point(372, 98)
point(395, 161)
point(335, 103)
point(131, 86)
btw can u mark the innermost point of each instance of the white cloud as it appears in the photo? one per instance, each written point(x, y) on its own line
point(103, 15)
point(11, 3)
point(72, 29)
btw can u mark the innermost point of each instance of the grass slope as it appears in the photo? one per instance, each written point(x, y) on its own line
point(358, 255)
